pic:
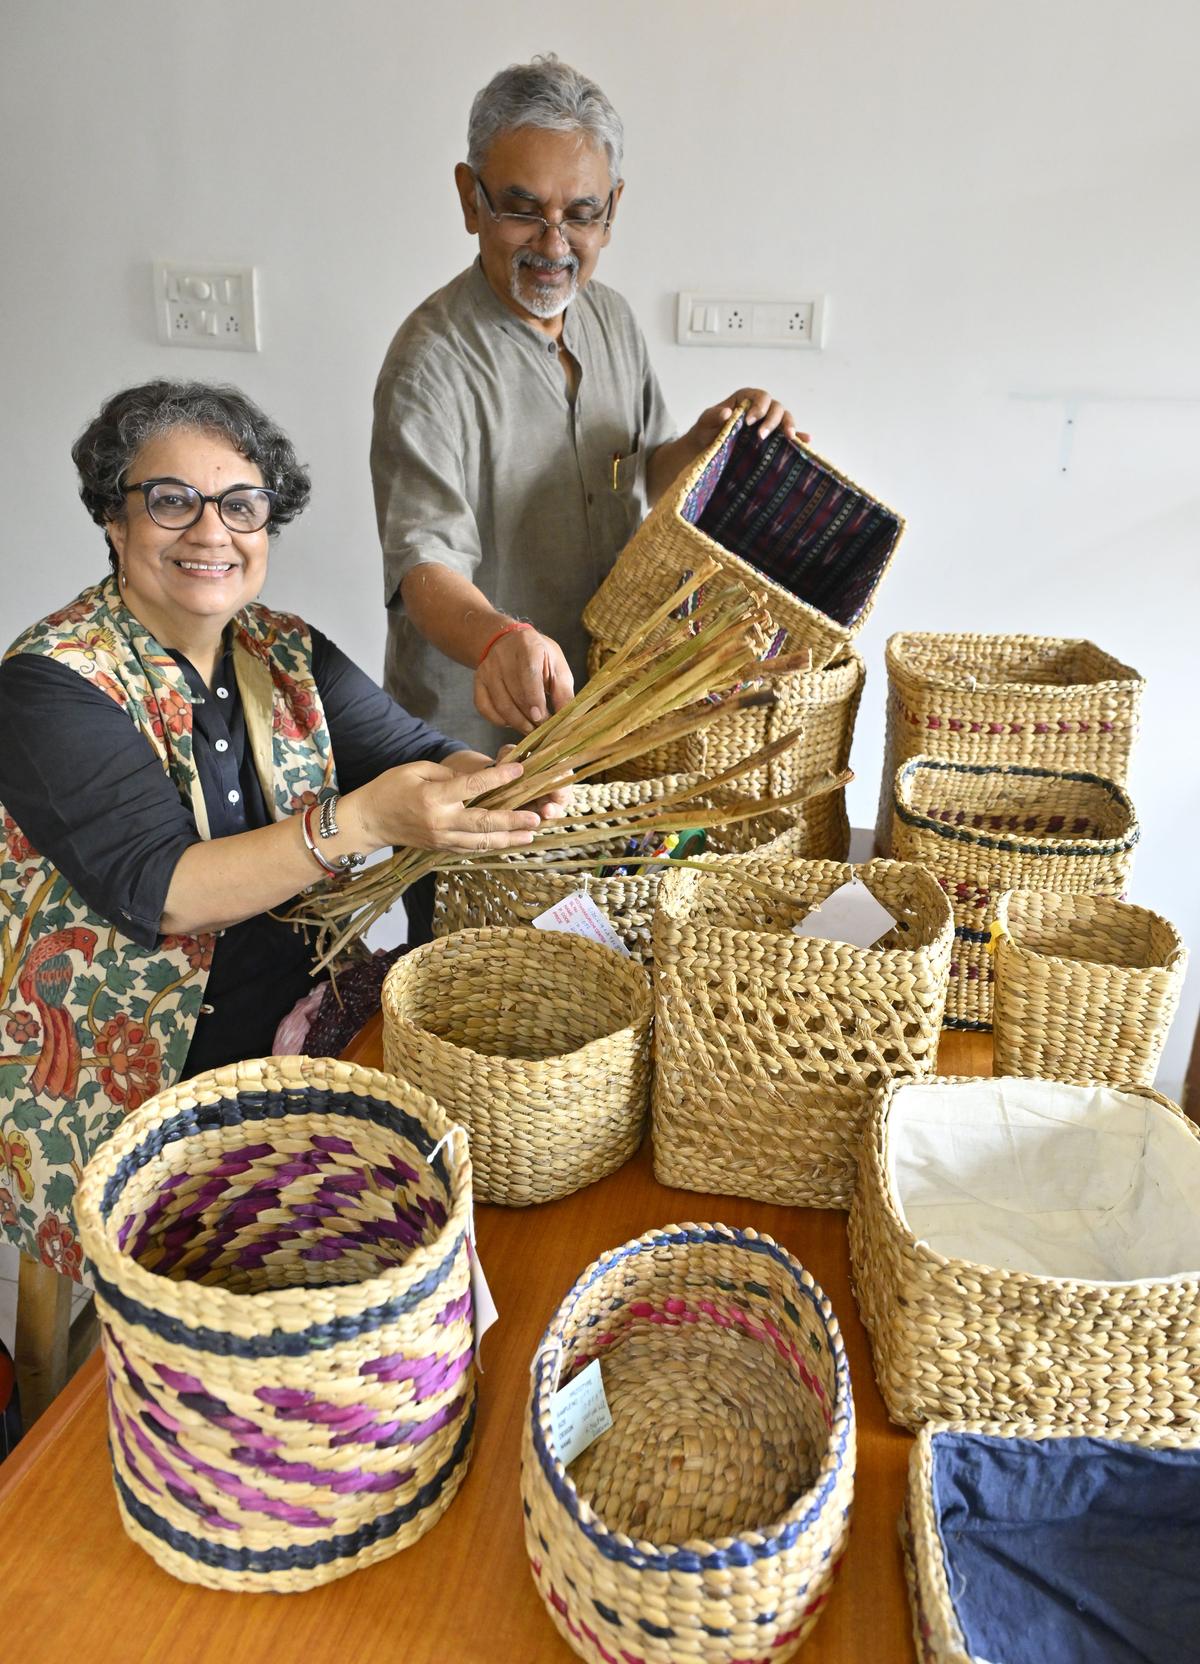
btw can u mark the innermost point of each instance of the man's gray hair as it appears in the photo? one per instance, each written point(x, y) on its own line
point(545, 93)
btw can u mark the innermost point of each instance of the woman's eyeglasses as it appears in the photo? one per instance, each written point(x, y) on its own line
point(175, 506)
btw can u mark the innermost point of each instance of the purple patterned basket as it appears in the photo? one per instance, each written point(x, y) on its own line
point(280, 1254)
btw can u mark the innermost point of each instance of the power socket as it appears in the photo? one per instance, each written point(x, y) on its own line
point(703, 320)
point(207, 306)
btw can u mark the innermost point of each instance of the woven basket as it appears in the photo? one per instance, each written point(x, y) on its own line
point(707, 1523)
point(1054, 1621)
point(770, 1047)
point(283, 1287)
point(823, 704)
point(538, 1043)
point(983, 830)
point(516, 890)
point(810, 542)
point(1086, 987)
point(1034, 701)
point(1028, 1249)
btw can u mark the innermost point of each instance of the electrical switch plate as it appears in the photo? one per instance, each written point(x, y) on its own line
point(741, 321)
point(207, 306)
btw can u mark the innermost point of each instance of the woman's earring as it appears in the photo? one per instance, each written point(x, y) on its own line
point(121, 577)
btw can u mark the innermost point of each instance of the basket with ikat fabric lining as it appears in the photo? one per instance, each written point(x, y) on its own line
point(981, 830)
point(806, 539)
point(708, 1521)
point(1036, 701)
point(280, 1252)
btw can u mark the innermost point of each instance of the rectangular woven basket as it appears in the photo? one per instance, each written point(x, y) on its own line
point(1034, 701)
point(537, 1042)
point(283, 1286)
point(1029, 1249)
point(515, 890)
point(823, 704)
point(983, 829)
point(1086, 987)
point(770, 1047)
point(1035, 1546)
point(707, 1523)
point(810, 542)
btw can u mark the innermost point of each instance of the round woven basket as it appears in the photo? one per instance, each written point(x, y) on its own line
point(769, 1046)
point(537, 1042)
point(283, 1286)
point(1086, 987)
point(823, 704)
point(937, 1631)
point(516, 889)
point(983, 830)
point(1085, 1307)
point(763, 511)
point(708, 1521)
point(1033, 701)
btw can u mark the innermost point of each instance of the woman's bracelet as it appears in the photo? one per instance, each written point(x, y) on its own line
point(312, 842)
point(506, 631)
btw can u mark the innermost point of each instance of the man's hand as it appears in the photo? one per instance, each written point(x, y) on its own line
point(765, 414)
point(523, 677)
point(551, 807)
point(425, 805)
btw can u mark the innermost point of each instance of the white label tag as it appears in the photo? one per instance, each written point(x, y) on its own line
point(483, 1307)
point(579, 1413)
point(578, 915)
point(851, 915)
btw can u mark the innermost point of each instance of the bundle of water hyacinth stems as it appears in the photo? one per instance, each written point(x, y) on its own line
point(675, 677)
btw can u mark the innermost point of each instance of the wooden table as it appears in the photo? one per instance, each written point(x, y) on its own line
point(76, 1589)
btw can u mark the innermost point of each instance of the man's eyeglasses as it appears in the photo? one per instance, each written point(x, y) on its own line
point(577, 229)
point(175, 506)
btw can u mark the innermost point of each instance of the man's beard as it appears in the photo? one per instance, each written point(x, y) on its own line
point(550, 304)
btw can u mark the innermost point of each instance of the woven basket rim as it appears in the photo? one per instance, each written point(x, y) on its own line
point(204, 1306)
point(555, 943)
point(922, 877)
point(1125, 677)
point(876, 1146)
point(1172, 962)
point(761, 1542)
point(1047, 845)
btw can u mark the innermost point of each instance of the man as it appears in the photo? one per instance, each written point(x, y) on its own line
point(519, 428)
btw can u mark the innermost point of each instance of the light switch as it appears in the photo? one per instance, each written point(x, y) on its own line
point(207, 306)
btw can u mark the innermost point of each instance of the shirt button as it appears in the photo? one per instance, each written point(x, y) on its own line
point(207, 1010)
point(591, 499)
point(235, 797)
point(552, 347)
point(222, 693)
point(223, 745)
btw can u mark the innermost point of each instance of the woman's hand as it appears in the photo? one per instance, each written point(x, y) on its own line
point(551, 807)
point(426, 805)
point(521, 678)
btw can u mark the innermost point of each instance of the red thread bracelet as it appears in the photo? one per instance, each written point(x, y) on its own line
point(506, 631)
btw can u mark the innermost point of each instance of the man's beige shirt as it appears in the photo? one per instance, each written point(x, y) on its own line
point(482, 462)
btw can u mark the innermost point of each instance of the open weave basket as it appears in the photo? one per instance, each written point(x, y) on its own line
point(821, 703)
point(537, 1042)
point(516, 889)
point(937, 1631)
point(769, 1046)
point(810, 542)
point(1086, 987)
point(283, 1286)
point(960, 1340)
point(707, 1523)
point(1036, 701)
point(983, 830)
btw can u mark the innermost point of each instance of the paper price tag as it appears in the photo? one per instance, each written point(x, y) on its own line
point(578, 915)
point(579, 1413)
point(851, 915)
point(483, 1307)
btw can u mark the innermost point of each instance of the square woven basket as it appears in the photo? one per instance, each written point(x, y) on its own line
point(770, 1047)
point(1035, 1546)
point(1086, 987)
point(515, 890)
point(707, 1523)
point(983, 829)
point(537, 1042)
point(810, 542)
point(1033, 701)
point(1030, 1250)
point(283, 1286)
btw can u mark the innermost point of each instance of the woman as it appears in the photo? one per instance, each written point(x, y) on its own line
point(176, 760)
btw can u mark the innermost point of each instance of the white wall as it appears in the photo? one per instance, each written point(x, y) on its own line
point(1000, 200)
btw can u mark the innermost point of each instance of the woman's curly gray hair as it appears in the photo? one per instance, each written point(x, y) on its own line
point(106, 448)
point(545, 93)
